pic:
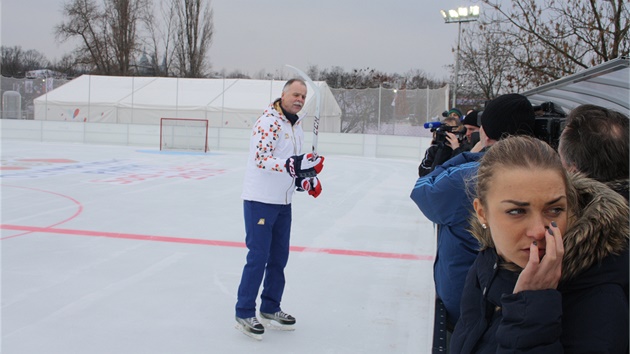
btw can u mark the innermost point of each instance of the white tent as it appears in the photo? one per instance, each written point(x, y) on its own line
point(233, 103)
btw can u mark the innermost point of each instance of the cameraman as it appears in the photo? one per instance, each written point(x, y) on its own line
point(442, 146)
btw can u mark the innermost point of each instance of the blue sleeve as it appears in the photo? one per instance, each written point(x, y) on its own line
point(442, 194)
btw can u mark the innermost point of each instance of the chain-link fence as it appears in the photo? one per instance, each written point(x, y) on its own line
point(379, 111)
point(18, 95)
point(384, 111)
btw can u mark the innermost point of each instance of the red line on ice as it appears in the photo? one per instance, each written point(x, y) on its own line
point(76, 202)
point(196, 241)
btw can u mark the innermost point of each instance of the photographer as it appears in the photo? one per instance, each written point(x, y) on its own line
point(447, 139)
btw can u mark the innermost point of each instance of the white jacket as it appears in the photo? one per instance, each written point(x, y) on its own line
point(273, 141)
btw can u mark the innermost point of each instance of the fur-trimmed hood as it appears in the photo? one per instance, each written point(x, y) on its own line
point(600, 228)
point(621, 186)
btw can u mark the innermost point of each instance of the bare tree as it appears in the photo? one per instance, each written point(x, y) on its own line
point(85, 20)
point(16, 62)
point(235, 74)
point(193, 37)
point(418, 79)
point(68, 66)
point(358, 110)
point(11, 61)
point(160, 24)
point(485, 63)
point(33, 60)
point(549, 39)
point(107, 33)
point(313, 72)
point(122, 18)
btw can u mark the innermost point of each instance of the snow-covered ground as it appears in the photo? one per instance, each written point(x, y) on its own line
point(118, 249)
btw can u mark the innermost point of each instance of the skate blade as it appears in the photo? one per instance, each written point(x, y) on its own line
point(242, 329)
point(275, 325)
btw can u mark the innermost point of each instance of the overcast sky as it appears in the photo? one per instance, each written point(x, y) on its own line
point(392, 36)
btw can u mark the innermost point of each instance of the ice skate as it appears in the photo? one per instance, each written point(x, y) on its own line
point(250, 327)
point(279, 321)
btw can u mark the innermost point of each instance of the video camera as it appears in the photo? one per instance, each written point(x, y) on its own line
point(550, 121)
point(441, 129)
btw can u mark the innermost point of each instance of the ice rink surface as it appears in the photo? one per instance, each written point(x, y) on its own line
point(128, 250)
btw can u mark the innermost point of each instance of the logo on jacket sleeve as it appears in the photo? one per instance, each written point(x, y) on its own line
point(261, 221)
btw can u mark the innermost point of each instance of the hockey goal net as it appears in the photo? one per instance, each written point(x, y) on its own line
point(184, 134)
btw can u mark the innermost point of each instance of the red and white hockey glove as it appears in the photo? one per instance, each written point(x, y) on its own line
point(305, 165)
point(310, 184)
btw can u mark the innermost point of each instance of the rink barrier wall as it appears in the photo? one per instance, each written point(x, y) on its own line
point(364, 145)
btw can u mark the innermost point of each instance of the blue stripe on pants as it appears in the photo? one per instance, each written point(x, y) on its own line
point(268, 231)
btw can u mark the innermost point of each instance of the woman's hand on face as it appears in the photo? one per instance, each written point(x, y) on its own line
point(540, 274)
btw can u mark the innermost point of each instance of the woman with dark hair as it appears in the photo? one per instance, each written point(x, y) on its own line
point(552, 275)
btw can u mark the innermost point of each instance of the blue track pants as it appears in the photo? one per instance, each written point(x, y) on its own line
point(268, 230)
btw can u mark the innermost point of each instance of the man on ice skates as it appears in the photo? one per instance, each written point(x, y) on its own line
point(275, 169)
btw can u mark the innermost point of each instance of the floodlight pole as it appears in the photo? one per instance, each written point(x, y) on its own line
point(459, 32)
point(460, 15)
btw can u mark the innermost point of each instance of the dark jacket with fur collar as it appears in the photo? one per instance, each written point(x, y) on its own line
point(621, 186)
point(588, 313)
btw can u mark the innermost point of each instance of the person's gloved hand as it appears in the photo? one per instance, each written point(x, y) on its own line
point(309, 184)
point(305, 165)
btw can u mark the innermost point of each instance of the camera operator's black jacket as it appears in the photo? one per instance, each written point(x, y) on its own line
point(426, 166)
point(439, 153)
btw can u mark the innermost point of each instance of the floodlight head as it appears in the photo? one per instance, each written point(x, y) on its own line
point(462, 14)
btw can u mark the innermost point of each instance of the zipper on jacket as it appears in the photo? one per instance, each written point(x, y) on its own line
point(295, 152)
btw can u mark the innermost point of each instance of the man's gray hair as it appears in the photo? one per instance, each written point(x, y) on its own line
point(286, 86)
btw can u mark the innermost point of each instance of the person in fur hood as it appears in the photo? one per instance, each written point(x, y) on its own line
point(552, 274)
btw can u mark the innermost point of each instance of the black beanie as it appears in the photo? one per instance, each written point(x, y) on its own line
point(471, 119)
point(510, 114)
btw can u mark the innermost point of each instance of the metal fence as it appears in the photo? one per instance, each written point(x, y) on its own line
point(379, 111)
point(18, 95)
point(384, 111)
